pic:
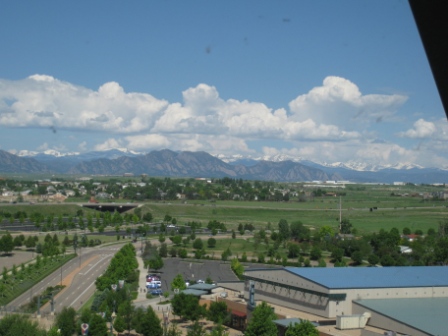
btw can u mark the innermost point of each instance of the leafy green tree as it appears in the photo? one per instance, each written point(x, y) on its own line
point(237, 268)
point(147, 217)
point(357, 257)
point(337, 255)
point(86, 315)
point(97, 326)
point(177, 240)
point(2, 290)
point(6, 243)
point(322, 263)
point(126, 311)
point(173, 252)
point(218, 312)
point(304, 328)
point(147, 322)
point(346, 227)
point(182, 253)
point(198, 244)
point(66, 321)
point(315, 253)
point(373, 259)
point(187, 307)
point(13, 324)
point(211, 242)
point(441, 250)
point(293, 250)
point(156, 263)
point(5, 275)
point(54, 331)
point(326, 232)
point(299, 232)
point(178, 283)
point(283, 230)
point(196, 330)
point(261, 323)
point(119, 323)
point(163, 250)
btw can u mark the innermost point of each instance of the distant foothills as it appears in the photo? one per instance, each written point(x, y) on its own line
point(169, 163)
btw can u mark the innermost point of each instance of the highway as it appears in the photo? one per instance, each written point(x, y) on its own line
point(78, 275)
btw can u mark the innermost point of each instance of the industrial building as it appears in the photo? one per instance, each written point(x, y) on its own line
point(404, 300)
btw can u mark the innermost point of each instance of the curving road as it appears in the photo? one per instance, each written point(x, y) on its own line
point(78, 275)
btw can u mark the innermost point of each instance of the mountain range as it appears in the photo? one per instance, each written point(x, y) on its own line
point(279, 168)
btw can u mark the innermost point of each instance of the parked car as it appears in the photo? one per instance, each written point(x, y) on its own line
point(151, 285)
point(156, 292)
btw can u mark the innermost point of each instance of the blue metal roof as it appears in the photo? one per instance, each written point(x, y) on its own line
point(374, 277)
point(426, 314)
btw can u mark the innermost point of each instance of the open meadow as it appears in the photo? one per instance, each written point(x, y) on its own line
point(368, 207)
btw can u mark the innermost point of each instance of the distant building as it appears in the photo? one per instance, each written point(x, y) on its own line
point(406, 300)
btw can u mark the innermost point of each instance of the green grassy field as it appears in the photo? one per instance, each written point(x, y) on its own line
point(362, 218)
point(397, 206)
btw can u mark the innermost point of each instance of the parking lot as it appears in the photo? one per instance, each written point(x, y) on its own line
point(195, 270)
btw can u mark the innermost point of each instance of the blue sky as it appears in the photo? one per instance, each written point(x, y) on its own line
point(324, 80)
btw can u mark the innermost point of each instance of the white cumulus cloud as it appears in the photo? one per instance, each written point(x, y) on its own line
point(43, 101)
point(110, 143)
point(422, 129)
point(340, 102)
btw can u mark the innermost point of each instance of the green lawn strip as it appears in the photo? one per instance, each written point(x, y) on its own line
point(17, 288)
point(88, 303)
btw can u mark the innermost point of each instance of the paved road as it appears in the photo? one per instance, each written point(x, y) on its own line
point(78, 275)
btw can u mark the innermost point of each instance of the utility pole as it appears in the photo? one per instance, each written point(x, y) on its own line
point(340, 214)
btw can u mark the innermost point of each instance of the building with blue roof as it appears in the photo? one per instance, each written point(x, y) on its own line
point(333, 293)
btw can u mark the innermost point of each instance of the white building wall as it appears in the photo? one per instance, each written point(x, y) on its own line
point(321, 305)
